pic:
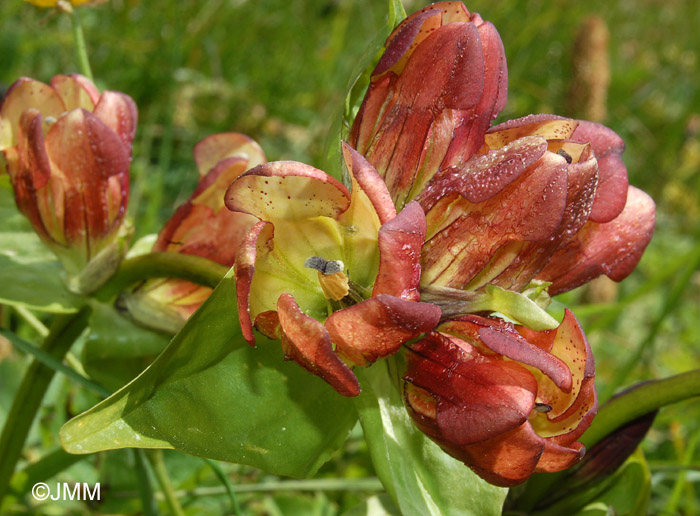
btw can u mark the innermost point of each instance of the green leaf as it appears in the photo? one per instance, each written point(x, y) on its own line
point(380, 505)
point(117, 350)
point(420, 478)
point(210, 394)
point(30, 275)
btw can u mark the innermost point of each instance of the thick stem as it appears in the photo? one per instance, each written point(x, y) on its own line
point(162, 265)
point(639, 400)
point(65, 330)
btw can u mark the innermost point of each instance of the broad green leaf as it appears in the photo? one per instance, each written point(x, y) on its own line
point(30, 275)
point(117, 350)
point(211, 395)
point(421, 479)
point(380, 505)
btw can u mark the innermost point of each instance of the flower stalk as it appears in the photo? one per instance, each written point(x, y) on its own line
point(162, 265)
point(79, 39)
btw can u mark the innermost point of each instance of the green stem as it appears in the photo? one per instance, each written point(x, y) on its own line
point(155, 457)
point(32, 320)
point(235, 506)
point(148, 501)
point(80, 46)
point(162, 265)
point(639, 400)
point(320, 484)
point(65, 330)
point(54, 363)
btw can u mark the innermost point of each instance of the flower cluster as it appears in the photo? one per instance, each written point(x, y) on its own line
point(532, 205)
point(448, 242)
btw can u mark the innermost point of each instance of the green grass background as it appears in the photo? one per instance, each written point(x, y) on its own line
point(278, 71)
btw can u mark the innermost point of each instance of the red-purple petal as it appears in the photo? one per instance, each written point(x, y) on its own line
point(306, 341)
point(377, 327)
point(400, 241)
point(119, 112)
point(611, 194)
point(612, 248)
point(257, 242)
point(370, 182)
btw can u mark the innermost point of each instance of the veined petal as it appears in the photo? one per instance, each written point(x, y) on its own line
point(377, 327)
point(371, 183)
point(30, 173)
point(24, 94)
point(506, 460)
point(201, 226)
point(400, 126)
point(513, 346)
point(287, 190)
point(217, 147)
point(76, 91)
point(613, 248)
point(516, 264)
point(571, 347)
point(476, 398)
point(306, 341)
point(468, 136)
point(400, 242)
point(86, 153)
point(370, 204)
point(611, 194)
point(463, 236)
point(483, 177)
point(119, 112)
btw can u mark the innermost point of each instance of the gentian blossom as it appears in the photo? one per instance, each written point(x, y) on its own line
point(332, 273)
point(506, 400)
point(68, 150)
point(201, 227)
point(515, 213)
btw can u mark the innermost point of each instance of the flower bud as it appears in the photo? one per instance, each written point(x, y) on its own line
point(68, 150)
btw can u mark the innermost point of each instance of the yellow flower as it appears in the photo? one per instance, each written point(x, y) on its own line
point(53, 3)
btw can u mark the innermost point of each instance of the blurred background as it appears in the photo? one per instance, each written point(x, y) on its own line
point(278, 70)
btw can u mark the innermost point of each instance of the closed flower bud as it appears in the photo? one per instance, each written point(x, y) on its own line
point(68, 150)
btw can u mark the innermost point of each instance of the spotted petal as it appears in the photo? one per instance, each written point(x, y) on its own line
point(287, 190)
point(217, 147)
point(23, 94)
